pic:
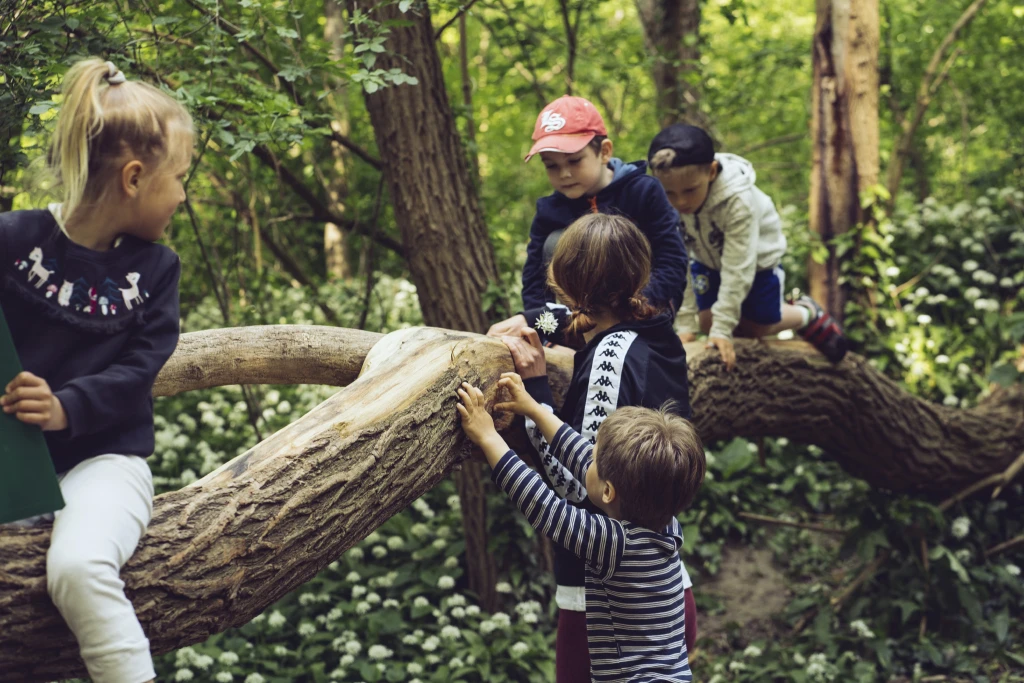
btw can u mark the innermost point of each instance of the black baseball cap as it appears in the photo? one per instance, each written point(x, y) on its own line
point(691, 144)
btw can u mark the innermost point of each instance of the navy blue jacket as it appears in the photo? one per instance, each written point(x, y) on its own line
point(97, 326)
point(637, 363)
point(633, 194)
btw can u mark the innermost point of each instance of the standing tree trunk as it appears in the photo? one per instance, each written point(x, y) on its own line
point(672, 35)
point(844, 130)
point(449, 252)
point(335, 236)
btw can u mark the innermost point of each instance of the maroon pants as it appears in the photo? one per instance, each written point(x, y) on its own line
point(572, 656)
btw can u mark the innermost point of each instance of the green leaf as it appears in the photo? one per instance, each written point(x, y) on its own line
point(404, 6)
point(1001, 625)
point(735, 457)
point(286, 32)
point(691, 534)
point(970, 603)
point(1004, 375)
point(371, 86)
point(40, 108)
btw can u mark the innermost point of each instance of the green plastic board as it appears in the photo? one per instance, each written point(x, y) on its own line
point(28, 483)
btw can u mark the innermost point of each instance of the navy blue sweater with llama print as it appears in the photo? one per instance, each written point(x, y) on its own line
point(97, 326)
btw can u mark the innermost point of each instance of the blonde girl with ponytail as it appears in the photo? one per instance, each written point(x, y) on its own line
point(92, 303)
point(628, 355)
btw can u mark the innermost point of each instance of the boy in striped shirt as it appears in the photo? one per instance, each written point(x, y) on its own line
point(645, 468)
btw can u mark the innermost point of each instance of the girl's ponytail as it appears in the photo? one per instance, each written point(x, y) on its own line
point(104, 121)
point(79, 121)
point(580, 322)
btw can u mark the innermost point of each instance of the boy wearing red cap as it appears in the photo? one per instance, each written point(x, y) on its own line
point(571, 139)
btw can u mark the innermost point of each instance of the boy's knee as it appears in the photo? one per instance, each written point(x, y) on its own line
point(705, 321)
point(753, 330)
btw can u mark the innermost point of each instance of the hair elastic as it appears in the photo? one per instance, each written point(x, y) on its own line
point(114, 75)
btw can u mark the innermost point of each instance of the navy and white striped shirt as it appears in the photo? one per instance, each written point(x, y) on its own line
point(635, 613)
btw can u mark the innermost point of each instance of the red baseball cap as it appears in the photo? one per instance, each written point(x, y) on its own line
point(566, 125)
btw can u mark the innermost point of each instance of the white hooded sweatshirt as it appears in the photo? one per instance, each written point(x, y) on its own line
point(736, 232)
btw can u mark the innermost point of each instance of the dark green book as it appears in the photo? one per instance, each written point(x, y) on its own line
point(28, 482)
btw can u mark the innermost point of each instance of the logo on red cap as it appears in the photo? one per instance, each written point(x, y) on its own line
point(566, 125)
point(552, 121)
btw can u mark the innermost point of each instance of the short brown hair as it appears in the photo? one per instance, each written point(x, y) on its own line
point(601, 263)
point(655, 460)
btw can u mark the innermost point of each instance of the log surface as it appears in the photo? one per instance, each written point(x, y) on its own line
point(221, 550)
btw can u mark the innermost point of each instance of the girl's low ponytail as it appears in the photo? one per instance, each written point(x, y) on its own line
point(580, 322)
point(639, 307)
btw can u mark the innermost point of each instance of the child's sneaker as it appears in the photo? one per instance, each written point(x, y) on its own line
point(822, 330)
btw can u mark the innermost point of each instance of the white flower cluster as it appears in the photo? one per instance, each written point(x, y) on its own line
point(529, 611)
point(861, 629)
point(379, 652)
point(421, 506)
point(819, 668)
point(961, 527)
point(546, 323)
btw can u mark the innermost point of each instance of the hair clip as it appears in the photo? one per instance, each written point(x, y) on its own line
point(114, 75)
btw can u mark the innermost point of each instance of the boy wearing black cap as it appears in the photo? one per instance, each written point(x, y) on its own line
point(734, 238)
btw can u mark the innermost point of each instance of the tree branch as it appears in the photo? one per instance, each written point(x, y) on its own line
point(773, 142)
point(797, 525)
point(929, 84)
point(462, 10)
point(320, 210)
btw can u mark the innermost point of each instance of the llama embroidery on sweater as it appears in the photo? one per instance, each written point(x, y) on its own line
point(106, 298)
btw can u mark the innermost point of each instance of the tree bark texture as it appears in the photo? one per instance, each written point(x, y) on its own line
point(433, 195)
point(844, 130)
point(218, 552)
point(447, 246)
point(672, 35)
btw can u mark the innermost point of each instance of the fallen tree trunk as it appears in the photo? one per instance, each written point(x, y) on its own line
point(221, 550)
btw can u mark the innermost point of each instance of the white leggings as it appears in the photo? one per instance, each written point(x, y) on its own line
point(108, 503)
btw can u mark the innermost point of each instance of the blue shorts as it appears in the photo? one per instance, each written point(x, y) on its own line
point(763, 304)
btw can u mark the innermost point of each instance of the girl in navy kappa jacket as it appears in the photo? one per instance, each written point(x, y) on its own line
point(92, 303)
point(629, 355)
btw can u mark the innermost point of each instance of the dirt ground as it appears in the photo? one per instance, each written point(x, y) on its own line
point(752, 589)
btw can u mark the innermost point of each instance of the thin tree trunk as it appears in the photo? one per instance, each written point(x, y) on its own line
point(844, 131)
point(450, 256)
point(672, 35)
point(335, 235)
point(467, 96)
